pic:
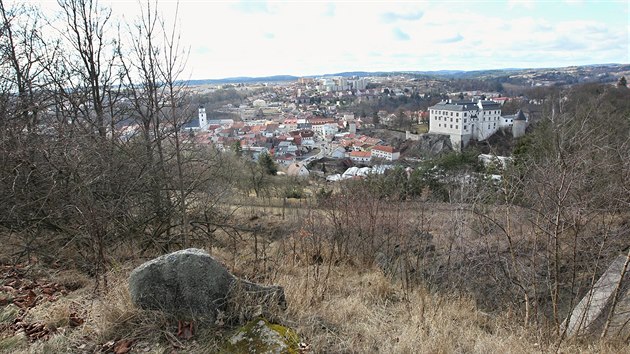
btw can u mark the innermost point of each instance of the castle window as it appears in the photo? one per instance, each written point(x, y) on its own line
point(465, 127)
point(465, 120)
point(457, 127)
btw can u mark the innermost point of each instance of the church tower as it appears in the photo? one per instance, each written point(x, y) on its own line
point(203, 121)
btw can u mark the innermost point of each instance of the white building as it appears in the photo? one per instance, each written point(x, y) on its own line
point(325, 129)
point(465, 120)
point(259, 103)
point(359, 83)
point(297, 170)
point(385, 152)
point(360, 156)
point(201, 123)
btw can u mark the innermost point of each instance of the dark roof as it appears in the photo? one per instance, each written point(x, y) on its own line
point(490, 104)
point(455, 106)
point(520, 116)
point(192, 124)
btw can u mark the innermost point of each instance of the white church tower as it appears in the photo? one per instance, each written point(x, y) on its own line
point(203, 120)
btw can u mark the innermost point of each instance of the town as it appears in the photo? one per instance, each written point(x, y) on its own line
point(361, 119)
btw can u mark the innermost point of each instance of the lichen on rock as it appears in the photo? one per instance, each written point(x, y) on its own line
point(261, 336)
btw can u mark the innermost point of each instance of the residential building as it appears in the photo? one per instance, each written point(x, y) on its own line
point(286, 147)
point(308, 138)
point(325, 129)
point(360, 156)
point(385, 152)
point(298, 170)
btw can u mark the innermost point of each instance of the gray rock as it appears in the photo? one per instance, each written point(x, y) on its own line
point(261, 336)
point(191, 283)
point(429, 145)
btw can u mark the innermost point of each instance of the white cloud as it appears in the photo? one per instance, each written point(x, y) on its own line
point(526, 4)
point(266, 38)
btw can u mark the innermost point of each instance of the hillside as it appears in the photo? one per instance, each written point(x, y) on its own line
point(333, 304)
point(572, 74)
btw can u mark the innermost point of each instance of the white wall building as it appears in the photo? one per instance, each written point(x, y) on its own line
point(360, 156)
point(325, 129)
point(465, 120)
point(385, 152)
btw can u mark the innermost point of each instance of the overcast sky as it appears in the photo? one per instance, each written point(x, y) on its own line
point(256, 38)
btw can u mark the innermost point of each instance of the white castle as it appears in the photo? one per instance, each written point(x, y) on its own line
point(466, 120)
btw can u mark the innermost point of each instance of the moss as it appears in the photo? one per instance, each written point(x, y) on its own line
point(13, 343)
point(9, 313)
point(261, 336)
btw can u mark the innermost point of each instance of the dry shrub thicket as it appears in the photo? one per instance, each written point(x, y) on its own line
point(433, 261)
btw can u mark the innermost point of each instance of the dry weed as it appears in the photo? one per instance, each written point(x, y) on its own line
point(363, 312)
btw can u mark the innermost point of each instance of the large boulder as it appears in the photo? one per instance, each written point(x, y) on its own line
point(190, 283)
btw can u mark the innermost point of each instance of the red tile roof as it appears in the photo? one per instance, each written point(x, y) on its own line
point(388, 149)
point(360, 154)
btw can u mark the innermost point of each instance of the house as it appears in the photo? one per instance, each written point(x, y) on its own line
point(325, 129)
point(255, 151)
point(501, 100)
point(465, 120)
point(338, 153)
point(302, 99)
point(308, 138)
point(286, 147)
point(284, 160)
point(298, 170)
point(385, 152)
point(360, 156)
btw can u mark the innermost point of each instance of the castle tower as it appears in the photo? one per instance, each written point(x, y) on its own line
point(519, 125)
point(203, 120)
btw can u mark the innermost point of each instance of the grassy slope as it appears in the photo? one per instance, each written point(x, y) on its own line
point(335, 309)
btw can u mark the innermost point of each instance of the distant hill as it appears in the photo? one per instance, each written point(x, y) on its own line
point(243, 79)
point(435, 73)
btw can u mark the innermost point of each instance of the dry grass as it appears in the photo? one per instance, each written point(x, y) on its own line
point(364, 312)
point(340, 308)
point(354, 311)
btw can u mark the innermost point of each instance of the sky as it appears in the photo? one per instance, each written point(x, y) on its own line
point(263, 38)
